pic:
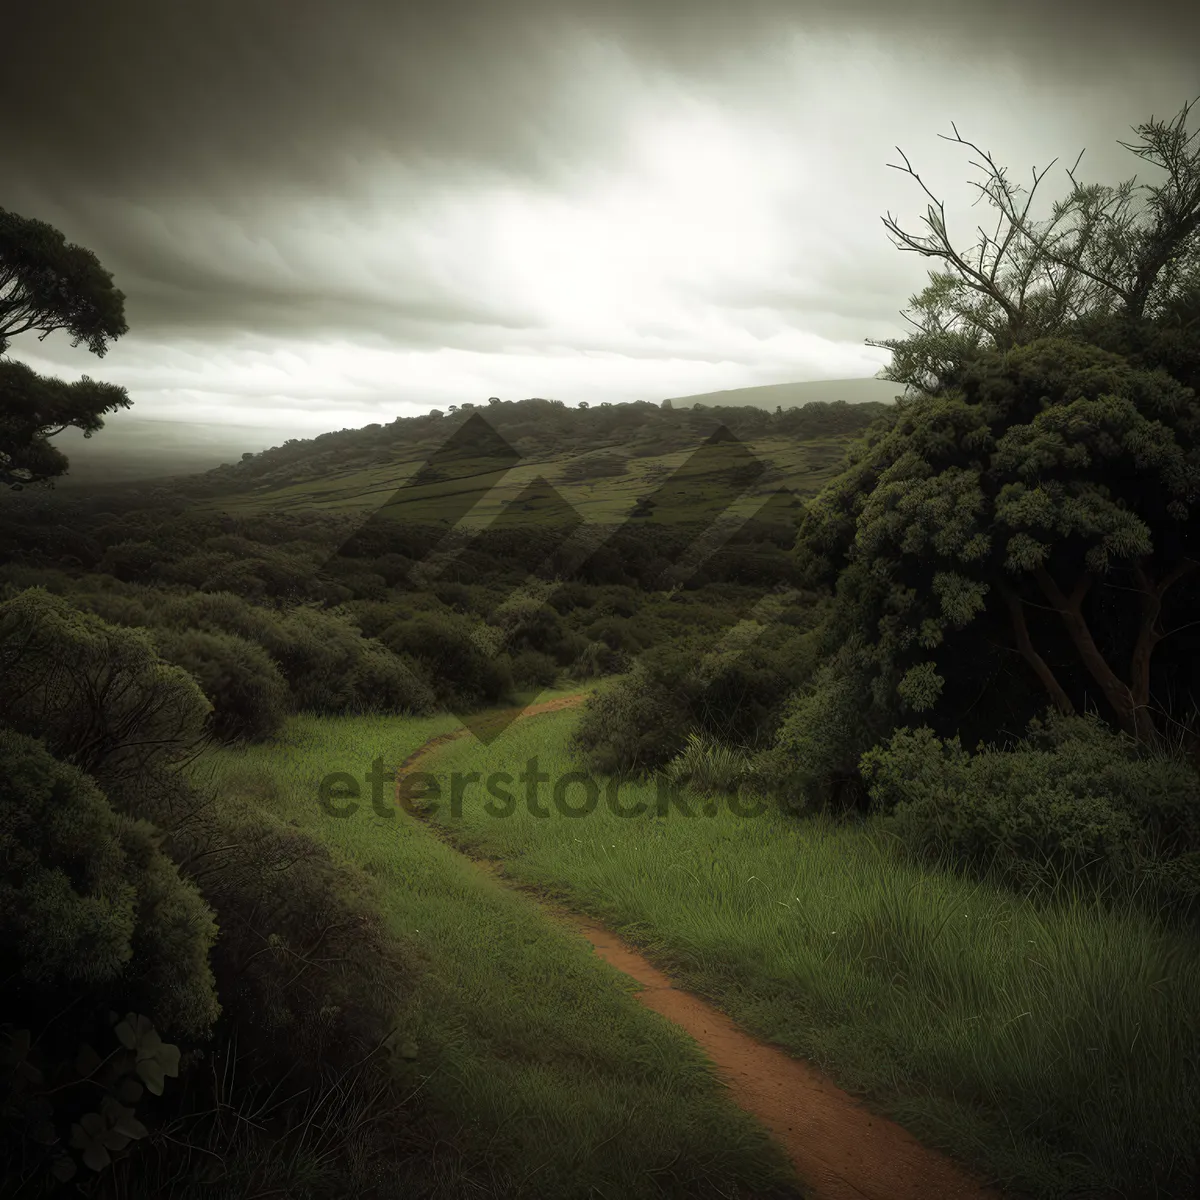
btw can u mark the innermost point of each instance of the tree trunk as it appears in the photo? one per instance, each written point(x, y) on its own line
point(1134, 720)
point(1149, 635)
point(1040, 667)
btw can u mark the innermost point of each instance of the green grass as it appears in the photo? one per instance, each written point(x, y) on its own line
point(804, 467)
point(545, 1073)
point(1052, 1047)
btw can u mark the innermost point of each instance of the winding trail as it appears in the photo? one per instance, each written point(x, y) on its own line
point(839, 1149)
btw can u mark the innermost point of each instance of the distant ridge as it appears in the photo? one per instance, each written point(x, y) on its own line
point(792, 395)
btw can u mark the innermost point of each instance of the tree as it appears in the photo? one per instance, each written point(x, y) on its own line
point(1100, 253)
point(47, 284)
point(1057, 487)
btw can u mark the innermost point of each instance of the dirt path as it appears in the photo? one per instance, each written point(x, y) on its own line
point(840, 1150)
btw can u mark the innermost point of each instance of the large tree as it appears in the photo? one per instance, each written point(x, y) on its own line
point(1041, 479)
point(1059, 485)
point(1132, 251)
point(48, 284)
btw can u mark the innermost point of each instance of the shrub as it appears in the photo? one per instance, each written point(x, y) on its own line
point(460, 669)
point(570, 595)
point(528, 623)
point(598, 658)
point(824, 729)
point(615, 632)
point(633, 728)
point(88, 900)
point(317, 652)
point(100, 695)
point(531, 669)
point(305, 967)
point(383, 682)
point(1072, 799)
point(113, 608)
point(249, 696)
point(220, 612)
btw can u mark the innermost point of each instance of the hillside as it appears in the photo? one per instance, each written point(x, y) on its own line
point(136, 449)
point(793, 395)
point(601, 460)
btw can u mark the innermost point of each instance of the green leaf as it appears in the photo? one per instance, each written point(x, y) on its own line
point(168, 1057)
point(152, 1075)
point(91, 1125)
point(121, 1120)
point(131, 1127)
point(114, 1140)
point(96, 1157)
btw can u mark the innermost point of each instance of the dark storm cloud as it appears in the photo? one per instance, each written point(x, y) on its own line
point(166, 97)
point(284, 173)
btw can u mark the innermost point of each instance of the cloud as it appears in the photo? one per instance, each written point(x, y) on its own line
point(324, 211)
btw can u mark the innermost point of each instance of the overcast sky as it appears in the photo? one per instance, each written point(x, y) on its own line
point(326, 214)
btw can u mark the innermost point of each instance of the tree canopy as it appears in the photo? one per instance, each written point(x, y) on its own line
point(1131, 250)
point(1040, 482)
point(47, 284)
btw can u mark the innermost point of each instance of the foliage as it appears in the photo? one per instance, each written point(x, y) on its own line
point(305, 966)
point(461, 670)
point(33, 408)
point(1054, 468)
point(48, 284)
point(531, 668)
point(76, 1091)
point(633, 728)
point(709, 767)
point(249, 696)
point(1100, 253)
point(827, 724)
point(1071, 800)
point(89, 900)
point(100, 695)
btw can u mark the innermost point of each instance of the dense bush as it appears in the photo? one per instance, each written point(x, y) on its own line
point(1071, 799)
point(100, 695)
point(305, 966)
point(823, 730)
point(596, 659)
point(219, 612)
point(532, 669)
point(386, 683)
point(249, 696)
point(707, 767)
point(460, 668)
point(89, 901)
point(317, 652)
point(633, 728)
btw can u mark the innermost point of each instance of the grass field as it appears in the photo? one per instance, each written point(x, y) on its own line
point(802, 467)
point(1055, 1048)
point(546, 1075)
